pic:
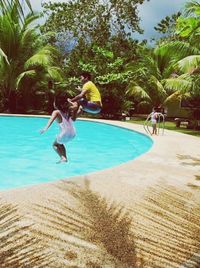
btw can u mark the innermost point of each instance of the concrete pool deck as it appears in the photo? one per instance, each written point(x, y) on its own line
point(158, 192)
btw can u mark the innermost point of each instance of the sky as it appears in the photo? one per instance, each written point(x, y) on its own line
point(151, 13)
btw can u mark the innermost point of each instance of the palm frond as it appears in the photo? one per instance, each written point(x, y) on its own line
point(189, 63)
point(28, 39)
point(171, 52)
point(51, 51)
point(111, 225)
point(173, 97)
point(15, 8)
point(160, 91)
point(30, 18)
point(192, 7)
point(55, 73)
point(138, 70)
point(181, 84)
point(39, 59)
point(137, 91)
point(30, 74)
point(20, 6)
point(18, 247)
point(45, 56)
point(10, 36)
point(152, 64)
point(3, 55)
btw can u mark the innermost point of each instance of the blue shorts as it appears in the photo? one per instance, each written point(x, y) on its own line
point(90, 107)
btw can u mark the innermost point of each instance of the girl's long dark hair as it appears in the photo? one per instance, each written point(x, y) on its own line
point(62, 104)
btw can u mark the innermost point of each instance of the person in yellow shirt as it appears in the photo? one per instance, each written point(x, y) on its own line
point(89, 99)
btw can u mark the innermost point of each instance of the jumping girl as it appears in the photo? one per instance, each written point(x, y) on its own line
point(63, 115)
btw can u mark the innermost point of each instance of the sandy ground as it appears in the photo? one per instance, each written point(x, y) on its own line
point(143, 213)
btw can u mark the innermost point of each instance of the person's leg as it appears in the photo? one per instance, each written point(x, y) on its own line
point(153, 128)
point(60, 150)
point(91, 107)
point(56, 148)
point(63, 153)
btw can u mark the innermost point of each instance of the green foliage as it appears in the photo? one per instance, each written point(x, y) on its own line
point(146, 88)
point(95, 36)
point(103, 52)
point(24, 59)
point(123, 77)
point(93, 20)
point(100, 36)
point(172, 69)
point(108, 67)
point(18, 7)
point(138, 92)
point(188, 64)
point(168, 24)
point(178, 84)
point(188, 25)
point(186, 54)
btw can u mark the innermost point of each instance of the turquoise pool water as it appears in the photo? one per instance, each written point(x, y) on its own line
point(27, 158)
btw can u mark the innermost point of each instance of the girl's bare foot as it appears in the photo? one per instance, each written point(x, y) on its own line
point(62, 160)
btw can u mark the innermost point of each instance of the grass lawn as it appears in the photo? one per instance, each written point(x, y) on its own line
point(171, 126)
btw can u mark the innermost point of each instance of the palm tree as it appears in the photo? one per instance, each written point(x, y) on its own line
point(188, 25)
point(5, 4)
point(24, 57)
point(146, 87)
point(188, 67)
point(172, 68)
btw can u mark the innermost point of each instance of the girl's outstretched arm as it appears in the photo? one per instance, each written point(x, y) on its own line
point(51, 119)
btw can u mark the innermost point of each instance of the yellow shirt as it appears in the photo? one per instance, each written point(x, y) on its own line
point(92, 93)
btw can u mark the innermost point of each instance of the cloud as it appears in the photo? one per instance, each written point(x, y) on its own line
point(154, 11)
point(36, 5)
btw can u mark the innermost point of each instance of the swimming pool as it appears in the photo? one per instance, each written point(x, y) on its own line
point(27, 158)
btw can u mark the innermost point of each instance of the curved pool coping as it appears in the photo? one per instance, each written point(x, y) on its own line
point(172, 161)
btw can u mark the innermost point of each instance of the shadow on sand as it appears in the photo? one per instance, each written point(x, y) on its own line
point(81, 228)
